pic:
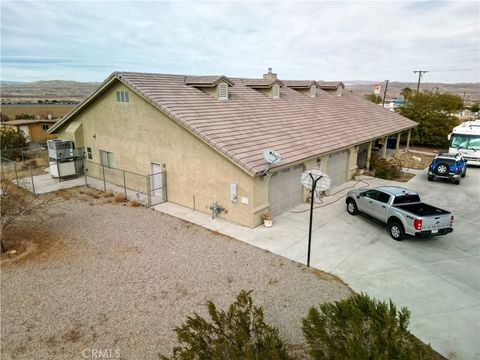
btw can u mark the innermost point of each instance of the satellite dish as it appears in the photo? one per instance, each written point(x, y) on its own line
point(271, 156)
point(323, 183)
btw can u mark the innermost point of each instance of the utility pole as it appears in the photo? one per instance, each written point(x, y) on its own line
point(385, 93)
point(420, 74)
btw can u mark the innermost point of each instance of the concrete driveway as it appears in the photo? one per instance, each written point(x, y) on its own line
point(438, 279)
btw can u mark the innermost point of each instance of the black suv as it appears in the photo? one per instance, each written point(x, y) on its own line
point(448, 166)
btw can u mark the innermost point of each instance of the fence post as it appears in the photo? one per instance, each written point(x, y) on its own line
point(16, 174)
point(31, 177)
point(149, 196)
point(85, 171)
point(104, 183)
point(23, 156)
point(124, 184)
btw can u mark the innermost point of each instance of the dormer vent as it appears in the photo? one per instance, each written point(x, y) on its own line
point(306, 87)
point(313, 91)
point(276, 91)
point(222, 89)
point(216, 86)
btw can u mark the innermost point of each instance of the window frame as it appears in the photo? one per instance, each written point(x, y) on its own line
point(45, 127)
point(123, 96)
point(107, 159)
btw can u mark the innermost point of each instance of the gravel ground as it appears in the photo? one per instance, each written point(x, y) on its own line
point(114, 277)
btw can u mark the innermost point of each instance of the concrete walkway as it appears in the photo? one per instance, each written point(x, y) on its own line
point(438, 279)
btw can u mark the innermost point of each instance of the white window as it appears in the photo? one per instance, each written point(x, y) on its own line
point(313, 91)
point(107, 159)
point(222, 91)
point(122, 96)
point(276, 91)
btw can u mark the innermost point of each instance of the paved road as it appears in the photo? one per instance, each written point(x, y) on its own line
point(438, 279)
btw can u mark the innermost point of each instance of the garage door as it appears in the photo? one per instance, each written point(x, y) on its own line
point(286, 189)
point(337, 167)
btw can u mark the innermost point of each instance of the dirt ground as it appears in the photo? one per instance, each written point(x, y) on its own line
point(414, 160)
point(101, 274)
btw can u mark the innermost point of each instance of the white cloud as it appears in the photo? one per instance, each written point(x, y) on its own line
point(314, 40)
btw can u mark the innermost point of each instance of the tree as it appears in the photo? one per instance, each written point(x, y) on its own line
point(18, 204)
point(361, 328)
point(433, 111)
point(12, 140)
point(374, 98)
point(406, 93)
point(475, 108)
point(237, 334)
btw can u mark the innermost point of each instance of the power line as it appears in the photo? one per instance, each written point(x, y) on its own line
point(420, 75)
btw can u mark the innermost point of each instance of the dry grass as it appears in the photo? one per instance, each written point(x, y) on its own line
point(119, 197)
point(414, 160)
point(108, 193)
point(134, 203)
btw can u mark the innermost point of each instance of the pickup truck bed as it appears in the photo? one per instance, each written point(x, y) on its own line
point(422, 209)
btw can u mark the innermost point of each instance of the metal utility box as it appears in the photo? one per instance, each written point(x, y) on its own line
point(62, 169)
point(59, 149)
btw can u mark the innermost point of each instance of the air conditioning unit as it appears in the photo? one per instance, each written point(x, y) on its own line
point(60, 149)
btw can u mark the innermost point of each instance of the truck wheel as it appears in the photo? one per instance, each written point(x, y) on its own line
point(430, 178)
point(352, 207)
point(464, 173)
point(397, 232)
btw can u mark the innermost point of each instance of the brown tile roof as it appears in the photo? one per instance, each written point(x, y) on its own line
point(329, 85)
point(210, 80)
point(27, 121)
point(295, 125)
point(261, 83)
point(299, 84)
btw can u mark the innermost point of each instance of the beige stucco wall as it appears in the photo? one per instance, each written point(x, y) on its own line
point(137, 134)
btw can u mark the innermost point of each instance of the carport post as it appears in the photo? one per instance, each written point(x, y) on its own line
point(369, 155)
point(408, 139)
point(397, 145)
point(314, 185)
point(85, 171)
point(385, 146)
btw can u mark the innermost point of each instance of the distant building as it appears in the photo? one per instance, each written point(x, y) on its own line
point(34, 129)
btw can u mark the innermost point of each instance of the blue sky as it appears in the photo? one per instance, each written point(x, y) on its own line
point(86, 41)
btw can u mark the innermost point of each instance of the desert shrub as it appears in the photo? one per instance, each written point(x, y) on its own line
point(239, 333)
point(134, 203)
point(385, 168)
point(108, 193)
point(361, 328)
point(119, 197)
point(23, 116)
point(31, 162)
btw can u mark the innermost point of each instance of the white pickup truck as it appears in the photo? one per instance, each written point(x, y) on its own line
point(402, 210)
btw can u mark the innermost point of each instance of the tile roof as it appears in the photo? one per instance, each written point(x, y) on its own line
point(299, 84)
point(261, 83)
point(210, 80)
point(27, 121)
point(329, 85)
point(295, 125)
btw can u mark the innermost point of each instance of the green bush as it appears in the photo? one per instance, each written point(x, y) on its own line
point(361, 328)
point(385, 168)
point(239, 333)
point(12, 141)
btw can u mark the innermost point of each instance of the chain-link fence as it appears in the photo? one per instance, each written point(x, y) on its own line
point(34, 171)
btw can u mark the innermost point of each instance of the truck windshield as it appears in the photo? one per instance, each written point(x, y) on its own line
point(463, 141)
point(405, 199)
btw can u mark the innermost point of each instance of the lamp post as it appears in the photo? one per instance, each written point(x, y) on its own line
point(314, 185)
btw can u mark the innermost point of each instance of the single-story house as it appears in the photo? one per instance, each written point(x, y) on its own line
point(208, 133)
point(34, 129)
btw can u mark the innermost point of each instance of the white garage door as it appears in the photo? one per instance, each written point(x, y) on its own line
point(337, 167)
point(286, 189)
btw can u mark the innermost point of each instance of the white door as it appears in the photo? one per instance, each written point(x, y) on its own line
point(156, 183)
point(337, 167)
point(285, 190)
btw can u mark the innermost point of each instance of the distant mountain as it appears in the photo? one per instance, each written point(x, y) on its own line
point(50, 89)
point(471, 90)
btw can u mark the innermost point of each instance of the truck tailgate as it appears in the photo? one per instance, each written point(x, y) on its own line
point(434, 222)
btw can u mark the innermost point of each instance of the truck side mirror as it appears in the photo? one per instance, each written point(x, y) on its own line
point(449, 137)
